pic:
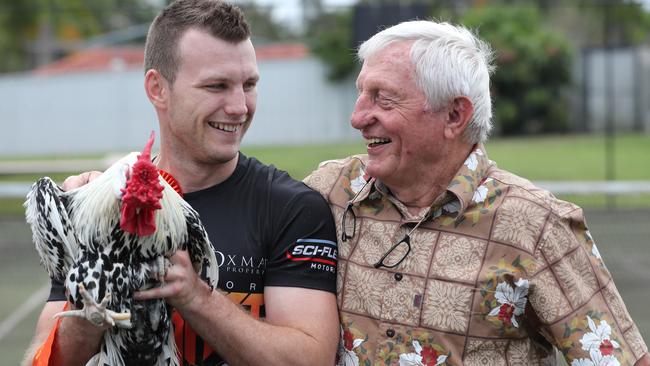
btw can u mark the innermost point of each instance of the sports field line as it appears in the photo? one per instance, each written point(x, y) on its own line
point(23, 310)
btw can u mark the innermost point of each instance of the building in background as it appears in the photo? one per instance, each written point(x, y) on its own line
point(94, 102)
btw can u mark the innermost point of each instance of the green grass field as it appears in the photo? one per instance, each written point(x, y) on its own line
point(551, 158)
point(572, 157)
point(567, 157)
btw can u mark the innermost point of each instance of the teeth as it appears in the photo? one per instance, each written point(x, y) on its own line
point(225, 127)
point(376, 140)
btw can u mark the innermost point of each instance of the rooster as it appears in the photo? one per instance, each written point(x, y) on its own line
point(112, 237)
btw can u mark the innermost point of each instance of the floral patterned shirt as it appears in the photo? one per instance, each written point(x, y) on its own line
point(500, 272)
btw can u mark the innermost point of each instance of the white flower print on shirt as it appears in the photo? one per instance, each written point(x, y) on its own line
point(422, 357)
point(595, 252)
point(481, 192)
point(359, 182)
point(471, 162)
point(512, 301)
point(452, 207)
point(599, 338)
point(594, 248)
point(346, 355)
point(596, 359)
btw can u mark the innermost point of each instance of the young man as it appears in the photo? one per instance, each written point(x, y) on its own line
point(444, 258)
point(201, 74)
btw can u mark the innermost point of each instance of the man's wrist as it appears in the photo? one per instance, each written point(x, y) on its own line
point(202, 295)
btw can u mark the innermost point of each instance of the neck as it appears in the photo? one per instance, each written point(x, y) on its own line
point(195, 176)
point(421, 195)
point(425, 185)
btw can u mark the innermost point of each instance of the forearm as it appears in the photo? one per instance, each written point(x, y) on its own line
point(242, 340)
point(76, 342)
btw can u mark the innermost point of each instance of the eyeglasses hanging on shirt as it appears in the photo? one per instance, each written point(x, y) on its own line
point(397, 252)
point(349, 212)
point(400, 250)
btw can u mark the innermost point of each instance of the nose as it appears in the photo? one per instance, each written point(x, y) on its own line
point(361, 115)
point(236, 103)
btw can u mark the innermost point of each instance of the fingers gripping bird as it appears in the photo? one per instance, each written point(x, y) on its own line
point(112, 237)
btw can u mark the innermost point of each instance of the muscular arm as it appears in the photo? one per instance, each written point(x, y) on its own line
point(301, 327)
point(76, 340)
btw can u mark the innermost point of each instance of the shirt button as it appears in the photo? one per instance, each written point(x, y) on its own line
point(398, 276)
point(390, 333)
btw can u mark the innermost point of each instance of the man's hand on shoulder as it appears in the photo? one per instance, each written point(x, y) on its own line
point(76, 181)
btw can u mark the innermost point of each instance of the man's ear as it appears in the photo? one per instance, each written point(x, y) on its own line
point(459, 114)
point(157, 88)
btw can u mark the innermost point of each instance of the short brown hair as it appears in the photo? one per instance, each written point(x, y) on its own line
point(223, 20)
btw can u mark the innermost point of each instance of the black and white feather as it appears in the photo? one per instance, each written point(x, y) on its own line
point(79, 240)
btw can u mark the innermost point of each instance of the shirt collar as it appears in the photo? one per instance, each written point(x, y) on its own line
point(454, 200)
point(470, 176)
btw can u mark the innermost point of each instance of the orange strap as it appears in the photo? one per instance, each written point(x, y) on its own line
point(42, 355)
point(186, 339)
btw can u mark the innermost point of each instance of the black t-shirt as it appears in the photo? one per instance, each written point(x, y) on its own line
point(267, 230)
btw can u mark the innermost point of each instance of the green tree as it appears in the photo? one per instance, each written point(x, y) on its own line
point(533, 68)
point(16, 21)
point(263, 26)
point(622, 22)
point(29, 28)
point(330, 39)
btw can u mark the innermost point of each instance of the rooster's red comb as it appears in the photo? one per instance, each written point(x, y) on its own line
point(142, 194)
point(146, 152)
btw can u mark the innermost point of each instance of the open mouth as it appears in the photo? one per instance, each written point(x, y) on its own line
point(373, 142)
point(227, 127)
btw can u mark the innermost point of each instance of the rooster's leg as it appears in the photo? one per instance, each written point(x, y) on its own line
point(95, 313)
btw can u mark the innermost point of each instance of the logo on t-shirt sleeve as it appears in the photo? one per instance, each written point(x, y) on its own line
point(321, 253)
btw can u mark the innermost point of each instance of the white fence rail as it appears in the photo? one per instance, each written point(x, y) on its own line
point(14, 190)
point(596, 187)
point(19, 190)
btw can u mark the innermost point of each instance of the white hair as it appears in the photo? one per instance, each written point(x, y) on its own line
point(450, 61)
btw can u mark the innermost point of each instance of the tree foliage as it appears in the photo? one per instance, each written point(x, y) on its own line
point(533, 62)
point(618, 22)
point(330, 39)
point(17, 23)
point(27, 27)
point(263, 26)
point(533, 68)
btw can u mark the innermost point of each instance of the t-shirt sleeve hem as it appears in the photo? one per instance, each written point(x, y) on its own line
point(289, 279)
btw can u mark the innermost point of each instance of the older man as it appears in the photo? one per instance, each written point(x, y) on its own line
point(443, 257)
